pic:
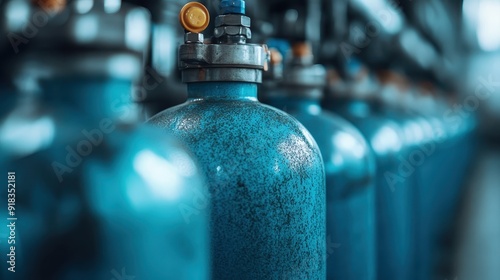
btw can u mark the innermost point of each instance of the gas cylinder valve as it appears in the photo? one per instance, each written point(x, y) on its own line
point(229, 58)
point(303, 73)
point(232, 26)
point(232, 6)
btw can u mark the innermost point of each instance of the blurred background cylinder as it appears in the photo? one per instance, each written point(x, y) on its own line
point(349, 163)
point(95, 191)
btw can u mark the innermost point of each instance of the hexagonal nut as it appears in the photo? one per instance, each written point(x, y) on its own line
point(232, 31)
point(191, 38)
point(232, 20)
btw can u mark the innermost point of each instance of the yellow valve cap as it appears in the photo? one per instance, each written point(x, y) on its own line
point(194, 17)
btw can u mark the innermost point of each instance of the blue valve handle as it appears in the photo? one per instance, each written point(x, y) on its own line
point(232, 6)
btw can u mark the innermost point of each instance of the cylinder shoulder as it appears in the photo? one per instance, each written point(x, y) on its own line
point(348, 159)
point(244, 138)
point(240, 122)
point(385, 137)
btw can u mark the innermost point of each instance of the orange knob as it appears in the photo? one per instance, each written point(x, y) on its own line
point(302, 49)
point(50, 5)
point(276, 57)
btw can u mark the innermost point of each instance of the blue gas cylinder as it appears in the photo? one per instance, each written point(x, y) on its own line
point(97, 203)
point(357, 101)
point(428, 160)
point(264, 170)
point(423, 158)
point(444, 191)
point(103, 198)
point(349, 167)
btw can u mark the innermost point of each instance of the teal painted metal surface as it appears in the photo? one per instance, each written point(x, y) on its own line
point(266, 182)
point(350, 180)
point(394, 195)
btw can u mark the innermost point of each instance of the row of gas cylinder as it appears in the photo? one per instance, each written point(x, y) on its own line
point(359, 179)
